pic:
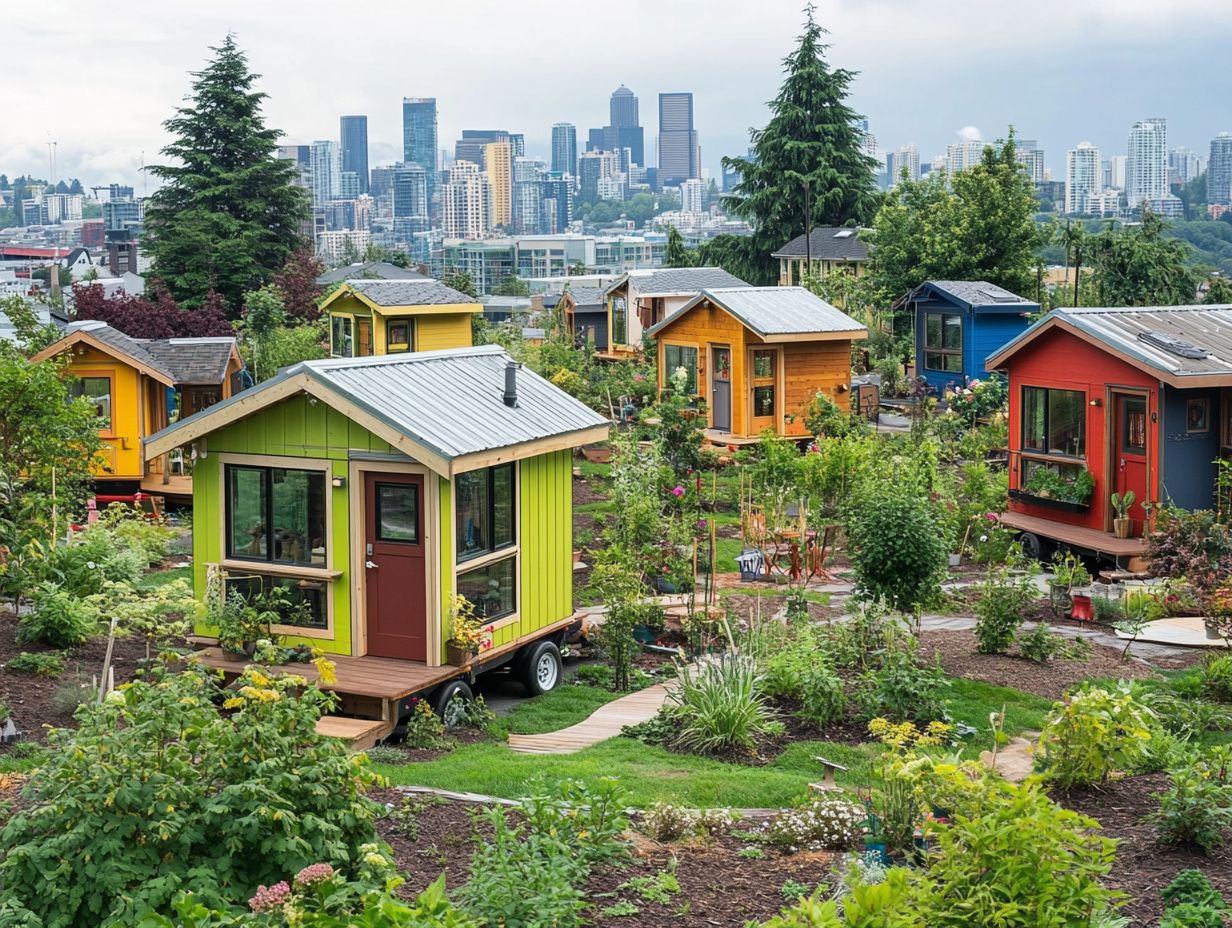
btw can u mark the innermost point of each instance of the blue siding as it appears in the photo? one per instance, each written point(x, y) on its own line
point(1188, 457)
point(983, 334)
point(938, 380)
point(992, 331)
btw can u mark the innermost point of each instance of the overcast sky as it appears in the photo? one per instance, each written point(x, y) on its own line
point(99, 81)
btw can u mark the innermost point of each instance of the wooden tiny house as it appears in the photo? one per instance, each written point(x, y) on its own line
point(645, 297)
point(375, 317)
point(583, 313)
point(138, 386)
point(757, 356)
point(1139, 397)
point(824, 250)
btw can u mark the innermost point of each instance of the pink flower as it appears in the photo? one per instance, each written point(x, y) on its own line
point(314, 873)
point(992, 517)
point(268, 898)
point(678, 492)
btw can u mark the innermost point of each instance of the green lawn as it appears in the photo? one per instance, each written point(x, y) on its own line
point(156, 578)
point(564, 706)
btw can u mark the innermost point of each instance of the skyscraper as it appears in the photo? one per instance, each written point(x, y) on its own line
point(679, 153)
point(1083, 176)
point(564, 148)
point(962, 155)
point(466, 202)
point(473, 145)
point(355, 148)
point(1028, 152)
point(906, 158)
point(1219, 170)
point(498, 168)
point(410, 192)
point(419, 137)
point(1146, 165)
point(623, 129)
point(593, 166)
point(326, 172)
point(622, 108)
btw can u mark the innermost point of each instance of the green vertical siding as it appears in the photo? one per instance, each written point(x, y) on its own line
point(545, 502)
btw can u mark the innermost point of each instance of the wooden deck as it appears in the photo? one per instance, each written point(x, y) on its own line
point(1087, 538)
point(176, 485)
point(371, 677)
point(723, 439)
point(359, 734)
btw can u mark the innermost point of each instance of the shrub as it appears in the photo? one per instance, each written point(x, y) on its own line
point(825, 417)
point(799, 672)
point(599, 676)
point(132, 529)
point(5, 711)
point(468, 713)
point(93, 559)
point(58, 618)
point(892, 903)
point(588, 817)
point(1092, 734)
point(193, 796)
point(1217, 678)
point(1197, 806)
point(896, 545)
point(1004, 598)
point(44, 663)
point(666, 822)
point(982, 877)
point(829, 823)
point(901, 688)
point(1042, 644)
point(1193, 888)
point(719, 706)
point(1191, 915)
point(424, 728)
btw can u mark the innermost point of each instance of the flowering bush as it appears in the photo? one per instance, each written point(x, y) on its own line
point(829, 823)
point(425, 729)
point(467, 632)
point(665, 822)
point(980, 399)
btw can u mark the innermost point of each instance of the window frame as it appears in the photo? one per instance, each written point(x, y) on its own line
point(940, 350)
point(80, 377)
point(410, 335)
point(768, 382)
point(490, 550)
point(1081, 456)
point(267, 562)
point(349, 322)
point(668, 370)
point(619, 334)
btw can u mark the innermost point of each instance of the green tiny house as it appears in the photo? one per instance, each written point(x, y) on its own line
point(373, 490)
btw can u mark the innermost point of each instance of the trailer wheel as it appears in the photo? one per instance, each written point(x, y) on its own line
point(447, 693)
point(541, 668)
point(1033, 546)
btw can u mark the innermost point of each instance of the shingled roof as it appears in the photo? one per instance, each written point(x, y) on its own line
point(175, 361)
point(369, 270)
point(827, 243)
point(676, 280)
point(423, 292)
point(978, 293)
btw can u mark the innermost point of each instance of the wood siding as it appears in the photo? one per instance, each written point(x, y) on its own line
point(434, 333)
point(810, 368)
point(130, 412)
point(703, 326)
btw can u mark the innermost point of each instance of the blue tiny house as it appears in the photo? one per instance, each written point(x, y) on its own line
point(959, 323)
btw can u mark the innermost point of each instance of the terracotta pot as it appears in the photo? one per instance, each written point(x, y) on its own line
point(1123, 528)
point(458, 657)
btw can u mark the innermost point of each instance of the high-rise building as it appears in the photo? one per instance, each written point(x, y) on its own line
point(1028, 152)
point(498, 167)
point(692, 192)
point(355, 148)
point(517, 145)
point(419, 138)
point(382, 181)
point(410, 191)
point(1219, 171)
point(679, 152)
point(326, 171)
point(1083, 176)
point(907, 158)
point(527, 204)
point(564, 148)
point(349, 185)
point(1146, 165)
point(466, 202)
point(471, 147)
point(623, 130)
point(962, 155)
point(302, 156)
point(1116, 171)
point(622, 108)
point(592, 166)
point(1184, 165)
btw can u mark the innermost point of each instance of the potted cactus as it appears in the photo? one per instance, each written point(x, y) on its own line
point(1122, 524)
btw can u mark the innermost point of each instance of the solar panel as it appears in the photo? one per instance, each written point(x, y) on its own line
point(844, 233)
point(1173, 345)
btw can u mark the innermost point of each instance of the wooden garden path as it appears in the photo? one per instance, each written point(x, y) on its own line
point(605, 722)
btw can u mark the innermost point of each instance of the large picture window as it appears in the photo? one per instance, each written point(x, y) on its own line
point(943, 342)
point(304, 600)
point(676, 357)
point(485, 511)
point(491, 588)
point(620, 321)
point(342, 337)
point(98, 391)
point(1054, 421)
point(276, 515)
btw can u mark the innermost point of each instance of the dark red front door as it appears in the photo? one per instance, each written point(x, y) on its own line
point(1129, 453)
point(394, 566)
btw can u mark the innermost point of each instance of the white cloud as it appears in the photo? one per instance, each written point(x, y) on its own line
point(969, 134)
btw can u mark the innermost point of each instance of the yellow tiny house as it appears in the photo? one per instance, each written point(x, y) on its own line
point(377, 317)
point(758, 356)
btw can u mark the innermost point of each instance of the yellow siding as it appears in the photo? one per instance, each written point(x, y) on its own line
point(437, 332)
point(129, 418)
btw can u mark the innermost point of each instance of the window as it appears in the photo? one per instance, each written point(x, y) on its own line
point(397, 512)
point(620, 325)
point(305, 599)
point(943, 342)
point(764, 378)
point(363, 337)
point(676, 357)
point(276, 515)
point(1054, 421)
point(485, 511)
point(98, 391)
point(491, 588)
point(341, 342)
point(398, 336)
point(1133, 426)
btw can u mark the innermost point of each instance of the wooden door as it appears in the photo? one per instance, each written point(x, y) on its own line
point(720, 388)
point(395, 576)
point(363, 337)
point(1130, 452)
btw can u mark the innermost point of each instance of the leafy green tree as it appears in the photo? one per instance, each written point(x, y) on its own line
point(1193, 197)
point(640, 208)
point(1219, 291)
point(460, 281)
point(264, 316)
point(1072, 237)
point(977, 225)
point(227, 215)
point(1142, 266)
point(513, 285)
point(811, 143)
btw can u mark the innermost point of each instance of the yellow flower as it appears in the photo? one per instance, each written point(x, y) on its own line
point(234, 702)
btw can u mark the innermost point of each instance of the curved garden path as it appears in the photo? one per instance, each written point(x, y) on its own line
point(605, 722)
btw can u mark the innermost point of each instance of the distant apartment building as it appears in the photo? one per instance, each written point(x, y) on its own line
point(1184, 165)
point(348, 186)
point(1114, 171)
point(1028, 152)
point(552, 255)
point(1106, 202)
point(556, 203)
point(593, 166)
point(354, 136)
point(498, 167)
point(1219, 171)
point(474, 143)
point(488, 263)
point(679, 151)
point(906, 158)
point(1146, 165)
point(326, 171)
point(1083, 176)
point(466, 202)
point(692, 196)
point(1169, 206)
point(409, 189)
point(419, 144)
point(564, 148)
point(334, 247)
point(962, 155)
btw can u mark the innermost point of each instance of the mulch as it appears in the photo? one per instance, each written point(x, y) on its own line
point(1144, 866)
point(584, 493)
point(33, 699)
point(717, 885)
point(959, 658)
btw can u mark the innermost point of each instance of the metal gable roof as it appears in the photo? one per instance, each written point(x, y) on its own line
point(448, 402)
point(676, 280)
point(827, 243)
point(775, 311)
point(1138, 335)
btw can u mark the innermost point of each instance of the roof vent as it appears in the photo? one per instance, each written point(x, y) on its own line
point(1174, 345)
point(511, 384)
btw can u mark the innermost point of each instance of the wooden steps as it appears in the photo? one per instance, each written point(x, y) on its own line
point(360, 734)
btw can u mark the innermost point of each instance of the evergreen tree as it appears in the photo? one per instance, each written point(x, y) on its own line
point(811, 139)
point(227, 215)
point(676, 253)
point(1142, 266)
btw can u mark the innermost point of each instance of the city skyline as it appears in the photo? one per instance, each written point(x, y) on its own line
point(995, 82)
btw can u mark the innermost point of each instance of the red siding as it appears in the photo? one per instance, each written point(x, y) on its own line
point(1065, 361)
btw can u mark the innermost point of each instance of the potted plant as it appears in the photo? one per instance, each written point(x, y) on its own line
point(239, 627)
point(468, 635)
point(1122, 524)
point(1069, 573)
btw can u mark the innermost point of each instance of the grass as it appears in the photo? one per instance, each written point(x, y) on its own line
point(152, 580)
point(564, 706)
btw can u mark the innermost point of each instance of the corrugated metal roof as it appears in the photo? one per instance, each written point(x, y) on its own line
point(976, 293)
point(450, 402)
point(1205, 327)
point(827, 243)
point(423, 292)
point(771, 311)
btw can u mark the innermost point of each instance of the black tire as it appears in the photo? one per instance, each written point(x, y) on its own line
point(447, 692)
point(541, 668)
point(1033, 546)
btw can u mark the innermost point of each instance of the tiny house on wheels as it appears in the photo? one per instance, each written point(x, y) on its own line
point(368, 317)
point(958, 324)
point(373, 491)
point(758, 356)
point(1107, 401)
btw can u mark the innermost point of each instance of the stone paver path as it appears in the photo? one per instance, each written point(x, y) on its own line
point(605, 722)
point(1015, 760)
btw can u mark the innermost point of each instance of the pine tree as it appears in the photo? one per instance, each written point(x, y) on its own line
point(227, 215)
point(677, 253)
point(812, 138)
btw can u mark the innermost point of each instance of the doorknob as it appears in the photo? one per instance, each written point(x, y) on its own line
point(371, 565)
